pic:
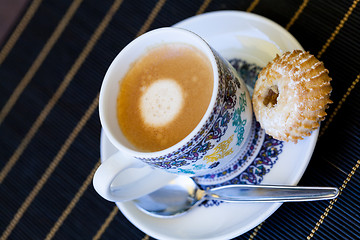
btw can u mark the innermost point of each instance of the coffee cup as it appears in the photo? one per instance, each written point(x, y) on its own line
point(188, 112)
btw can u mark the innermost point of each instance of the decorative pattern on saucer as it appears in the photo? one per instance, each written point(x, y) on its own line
point(259, 167)
point(247, 71)
point(224, 134)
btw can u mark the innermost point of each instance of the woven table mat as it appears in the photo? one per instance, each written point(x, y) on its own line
point(51, 68)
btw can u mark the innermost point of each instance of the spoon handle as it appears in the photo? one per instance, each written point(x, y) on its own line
point(267, 193)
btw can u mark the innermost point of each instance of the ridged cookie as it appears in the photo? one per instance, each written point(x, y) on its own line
point(291, 95)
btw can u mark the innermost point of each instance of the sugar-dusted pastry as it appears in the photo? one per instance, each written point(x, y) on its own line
point(291, 95)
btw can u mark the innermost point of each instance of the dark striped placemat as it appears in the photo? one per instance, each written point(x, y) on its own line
point(51, 68)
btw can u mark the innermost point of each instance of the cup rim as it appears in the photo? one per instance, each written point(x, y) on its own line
point(107, 81)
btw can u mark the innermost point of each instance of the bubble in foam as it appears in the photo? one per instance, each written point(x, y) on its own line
point(161, 102)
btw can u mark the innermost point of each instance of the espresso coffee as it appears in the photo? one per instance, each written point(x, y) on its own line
point(164, 95)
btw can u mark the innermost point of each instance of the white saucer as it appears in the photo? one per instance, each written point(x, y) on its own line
point(257, 40)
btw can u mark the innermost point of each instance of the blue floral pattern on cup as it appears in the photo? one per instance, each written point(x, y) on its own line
point(269, 152)
point(238, 121)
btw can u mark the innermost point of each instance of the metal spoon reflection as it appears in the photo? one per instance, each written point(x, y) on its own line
point(183, 194)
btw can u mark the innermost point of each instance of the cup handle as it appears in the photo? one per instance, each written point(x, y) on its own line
point(122, 178)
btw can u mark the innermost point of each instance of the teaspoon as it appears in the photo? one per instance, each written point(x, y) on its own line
point(182, 194)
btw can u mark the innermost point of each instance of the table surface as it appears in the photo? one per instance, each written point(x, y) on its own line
point(52, 62)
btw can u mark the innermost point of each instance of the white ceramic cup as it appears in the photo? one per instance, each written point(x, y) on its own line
point(216, 140)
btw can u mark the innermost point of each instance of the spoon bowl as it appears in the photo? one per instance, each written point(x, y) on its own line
point(183, 194)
